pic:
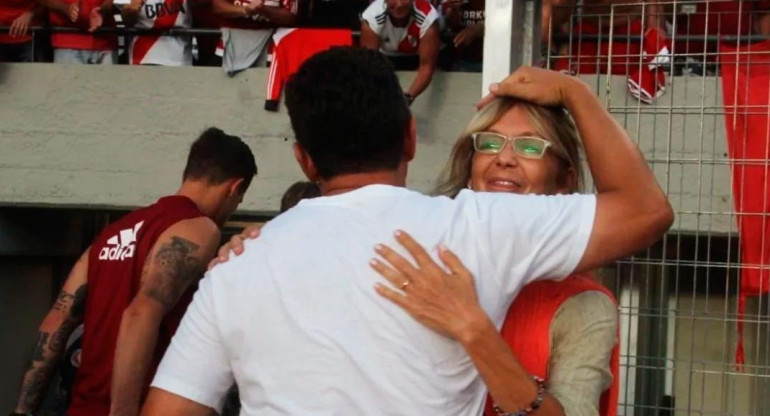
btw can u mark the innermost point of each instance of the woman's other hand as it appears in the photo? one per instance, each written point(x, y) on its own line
point(445, 302)
point(235, 245)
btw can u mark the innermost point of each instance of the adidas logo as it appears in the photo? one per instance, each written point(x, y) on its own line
point(121, 246)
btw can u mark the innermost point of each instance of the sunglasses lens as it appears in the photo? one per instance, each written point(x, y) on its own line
point(489, 143)
point(529, 147)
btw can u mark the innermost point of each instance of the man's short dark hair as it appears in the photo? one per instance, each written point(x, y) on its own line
point(217, 157)
point(297, 192)
point(348, 111)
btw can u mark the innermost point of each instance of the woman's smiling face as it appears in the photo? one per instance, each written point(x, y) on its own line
point(508, 172)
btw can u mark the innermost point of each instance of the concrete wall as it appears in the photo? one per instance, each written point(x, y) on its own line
point(117, 137)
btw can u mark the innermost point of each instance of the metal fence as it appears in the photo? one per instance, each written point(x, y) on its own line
point(678, 300)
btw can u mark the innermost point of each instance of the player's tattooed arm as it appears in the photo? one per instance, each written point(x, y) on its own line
point(177, 264)
point(176, 261)
point(63, 317)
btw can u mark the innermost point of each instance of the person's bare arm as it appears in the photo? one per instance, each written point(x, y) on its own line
point(280, 16)
point(130, 12)
point(162, 403)
point(369, 39)
point(68, 10)
point(632, 212)
point(177, 259)
point(428, 51)
point(224, 8)
point(65, 315)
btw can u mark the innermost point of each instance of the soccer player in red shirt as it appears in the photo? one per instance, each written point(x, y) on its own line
point(133, 284)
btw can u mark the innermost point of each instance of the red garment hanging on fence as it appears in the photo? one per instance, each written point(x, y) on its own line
point(746, 89)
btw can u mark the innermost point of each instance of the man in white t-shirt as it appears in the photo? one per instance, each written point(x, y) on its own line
point(295, 321)
point(407, 31)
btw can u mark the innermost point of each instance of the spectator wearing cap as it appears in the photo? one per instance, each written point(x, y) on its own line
point(407, 32)
point(18, 15)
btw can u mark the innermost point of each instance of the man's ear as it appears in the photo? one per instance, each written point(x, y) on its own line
point(410, 140)
point(234, 187)
point(306, 163)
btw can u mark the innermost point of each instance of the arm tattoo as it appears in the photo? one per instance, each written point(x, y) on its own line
point(177, 268)
point(50, 347)
point(63, 301)
point(37, 353)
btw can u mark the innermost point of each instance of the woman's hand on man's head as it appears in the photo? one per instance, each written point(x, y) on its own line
point(536, 85)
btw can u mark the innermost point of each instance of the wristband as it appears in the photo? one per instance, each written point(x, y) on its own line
point(532, 406)
point(409, 98)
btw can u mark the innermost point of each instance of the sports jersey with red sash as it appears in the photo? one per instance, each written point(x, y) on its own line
point(84, 41)
point(400, 40)
point(527, 330)
point(10, 10)
point(163, 50)
point(292, 48)
point(115, 264)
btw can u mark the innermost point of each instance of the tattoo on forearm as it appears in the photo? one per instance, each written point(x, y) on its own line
point(49, 348)
point(63, 301)
point(42, 340)
point(177, 268)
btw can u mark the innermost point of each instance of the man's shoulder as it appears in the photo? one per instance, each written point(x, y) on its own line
point(376, 13)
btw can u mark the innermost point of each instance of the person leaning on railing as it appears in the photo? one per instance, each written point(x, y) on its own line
point(86, 47)
point(19, 16)
point(402, 30)
point(158, 14)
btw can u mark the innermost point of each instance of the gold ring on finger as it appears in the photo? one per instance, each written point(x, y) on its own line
point(405, 284)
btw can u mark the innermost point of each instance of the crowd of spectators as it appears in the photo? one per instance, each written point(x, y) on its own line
point(421, 35)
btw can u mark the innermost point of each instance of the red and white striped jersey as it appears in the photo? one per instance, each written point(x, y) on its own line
point(163, 50)
point(400, 40)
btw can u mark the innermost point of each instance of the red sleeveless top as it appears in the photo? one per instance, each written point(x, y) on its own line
point(527, 330)
point(115, 265)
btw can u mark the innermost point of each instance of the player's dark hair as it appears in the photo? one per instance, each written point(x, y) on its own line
point(348, 111)
point(217, 157)
point(297, 192)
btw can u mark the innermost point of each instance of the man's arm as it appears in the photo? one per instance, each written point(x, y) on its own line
point(161, 402)
point(61, 320)
point(69, 10)
point(428, 50)
point(177, 259)
point(280, 16)
point(369, 39)
point(130, 12)
point(228, 10)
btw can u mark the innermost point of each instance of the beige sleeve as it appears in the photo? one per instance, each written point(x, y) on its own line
point(583, 334)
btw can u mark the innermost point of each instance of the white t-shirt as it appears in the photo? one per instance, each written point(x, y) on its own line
point(296, 323)
point(400, 40)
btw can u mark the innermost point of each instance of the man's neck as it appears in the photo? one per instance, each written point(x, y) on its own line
point(201, 194)
point(403, 22)
point(350, 182)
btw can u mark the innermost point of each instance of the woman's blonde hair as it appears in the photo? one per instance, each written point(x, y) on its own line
point(551, 123)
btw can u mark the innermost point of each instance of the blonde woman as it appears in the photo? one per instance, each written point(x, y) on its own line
point(563, 332)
